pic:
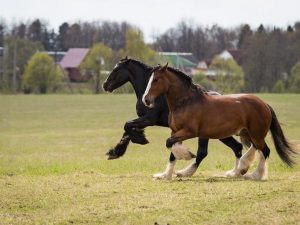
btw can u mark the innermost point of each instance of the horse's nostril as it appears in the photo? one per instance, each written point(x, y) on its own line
point(147, 102)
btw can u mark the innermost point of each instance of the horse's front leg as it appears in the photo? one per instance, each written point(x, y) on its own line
point(177, 148)
point(174, 142)
point(120, 149)
point(135, 129)
point(167, 174)
point(201, 154)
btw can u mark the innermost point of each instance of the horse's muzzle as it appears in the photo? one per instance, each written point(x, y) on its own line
point(107, 87)
point(149, 102)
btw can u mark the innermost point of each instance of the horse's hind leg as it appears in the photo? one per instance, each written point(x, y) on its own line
point(237, 149)
point(261, 172)
point(248, 157)
point(167, 174)
point(201, 154)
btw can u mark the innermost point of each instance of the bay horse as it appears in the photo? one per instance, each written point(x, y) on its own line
point(138, 74)
point(194, 113)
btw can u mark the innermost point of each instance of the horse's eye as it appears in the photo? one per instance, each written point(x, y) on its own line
point(154, 80)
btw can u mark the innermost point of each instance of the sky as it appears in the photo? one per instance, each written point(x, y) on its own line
point(155, 16)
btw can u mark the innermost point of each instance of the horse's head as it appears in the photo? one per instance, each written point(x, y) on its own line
point(158, 84)
point(118, 76)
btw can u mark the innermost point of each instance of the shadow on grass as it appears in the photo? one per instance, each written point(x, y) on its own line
point(210, 179)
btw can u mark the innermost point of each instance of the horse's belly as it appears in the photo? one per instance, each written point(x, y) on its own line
point(220, 131)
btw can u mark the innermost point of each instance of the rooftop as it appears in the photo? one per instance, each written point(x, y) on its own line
point(74, 57)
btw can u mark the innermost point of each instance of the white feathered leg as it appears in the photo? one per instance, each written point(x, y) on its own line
point(188, 171)
point(234, 172)
point(246, 160)
point(261, 172)
point(181, 152)
point(167, 174)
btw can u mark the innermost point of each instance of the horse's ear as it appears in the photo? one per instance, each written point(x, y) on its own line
point(126, 59)
point(164, 68)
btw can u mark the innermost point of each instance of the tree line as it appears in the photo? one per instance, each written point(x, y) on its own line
point(269, 55)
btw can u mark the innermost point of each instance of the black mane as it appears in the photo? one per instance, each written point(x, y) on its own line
point(140, 63)
point(136, 62)
point(188, 81)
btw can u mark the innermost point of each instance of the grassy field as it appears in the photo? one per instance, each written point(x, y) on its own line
point(53, 169)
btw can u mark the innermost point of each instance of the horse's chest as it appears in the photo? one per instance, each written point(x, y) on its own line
point(174, 122)
point(141, 109)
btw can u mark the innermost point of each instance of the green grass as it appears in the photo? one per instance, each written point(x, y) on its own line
point(53, 169)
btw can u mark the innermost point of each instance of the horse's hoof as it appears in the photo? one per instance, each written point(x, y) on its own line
point(233, 173)
point(254, 176)
point(180, 174)
point(188, 171)
point(162, 176)
point(139, 139)
point(110, 155)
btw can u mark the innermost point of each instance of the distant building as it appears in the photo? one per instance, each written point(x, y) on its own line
point(71, 62)
point(234, 54)
point(57, 56)
point(204, 65)
point(182, 60)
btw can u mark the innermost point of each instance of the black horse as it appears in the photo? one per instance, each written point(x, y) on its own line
point(138, 74)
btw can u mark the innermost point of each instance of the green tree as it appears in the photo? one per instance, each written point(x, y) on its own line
point(201, 79)
point(96, 63)
point(278, 87)
point(17, 53)
point(136, 47)
point(40, 73)
point(244, 34)
point(294, 78)
point(229, 77)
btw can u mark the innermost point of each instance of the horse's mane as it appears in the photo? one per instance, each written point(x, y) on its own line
point(187, 80)
point(136, 62)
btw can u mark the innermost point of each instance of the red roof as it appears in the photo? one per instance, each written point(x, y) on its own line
point(73, 57)
point(236, 54)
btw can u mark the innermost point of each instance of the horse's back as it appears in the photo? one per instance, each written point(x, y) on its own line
point(240, 110)
point(253, 109)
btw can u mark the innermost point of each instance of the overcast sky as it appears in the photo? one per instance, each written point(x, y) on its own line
point(155, 16)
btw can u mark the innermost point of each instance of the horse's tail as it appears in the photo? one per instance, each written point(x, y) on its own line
point(283, 147)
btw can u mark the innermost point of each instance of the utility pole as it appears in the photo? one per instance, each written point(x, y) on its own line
point(14, 78)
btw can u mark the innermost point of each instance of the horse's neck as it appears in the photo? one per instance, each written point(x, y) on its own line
point(139, 79)
point(177, 93)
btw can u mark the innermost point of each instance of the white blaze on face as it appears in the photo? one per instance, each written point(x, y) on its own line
point(147, 90)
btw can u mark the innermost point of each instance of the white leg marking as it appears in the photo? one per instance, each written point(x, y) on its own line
point(261, 172)
point(147, 89)
point(246, 160)
point(188, 171)
point(234, 172)
point(167, 174)
point(181, 152)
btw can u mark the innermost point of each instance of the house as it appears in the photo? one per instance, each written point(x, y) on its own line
point(56, 55)
point(184, 61)
point(234, 54)
point(71, 62)
point(203, 66)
